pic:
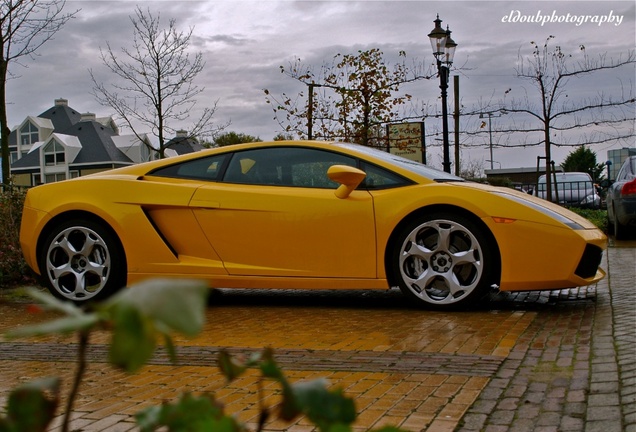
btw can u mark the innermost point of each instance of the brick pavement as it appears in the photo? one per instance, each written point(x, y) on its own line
point(558, 361)
point(575, 371)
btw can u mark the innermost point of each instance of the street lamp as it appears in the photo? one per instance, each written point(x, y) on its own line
point(444, 51)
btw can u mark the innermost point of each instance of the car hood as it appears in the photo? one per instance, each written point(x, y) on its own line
point(531, 201)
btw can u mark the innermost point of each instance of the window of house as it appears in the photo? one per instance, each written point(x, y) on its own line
point(29, 134)
point(54, 154)
point(13, 156)
point(37, 179)
point(55, 177)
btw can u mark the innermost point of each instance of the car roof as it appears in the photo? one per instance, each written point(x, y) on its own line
point(372, 155)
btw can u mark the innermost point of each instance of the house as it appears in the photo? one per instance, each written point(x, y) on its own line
point(181, 144)
point(61, 143)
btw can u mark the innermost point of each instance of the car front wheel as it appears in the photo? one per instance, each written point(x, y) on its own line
point(81, 261)
point(444, 261)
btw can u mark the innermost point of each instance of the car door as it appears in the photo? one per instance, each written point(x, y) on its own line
point(275, 214)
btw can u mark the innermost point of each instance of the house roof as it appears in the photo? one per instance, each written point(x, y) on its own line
point(28, 161)
point(102, 149)
point(182, 145)
point(61, 115)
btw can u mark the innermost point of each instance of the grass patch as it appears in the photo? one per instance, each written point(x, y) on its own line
point(597, 217)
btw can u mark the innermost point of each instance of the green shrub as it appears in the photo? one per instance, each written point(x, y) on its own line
point(13, 268)
point(597, 217)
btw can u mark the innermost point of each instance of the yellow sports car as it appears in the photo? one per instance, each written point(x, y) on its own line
point(303, 214)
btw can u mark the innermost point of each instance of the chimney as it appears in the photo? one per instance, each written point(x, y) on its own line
point(87, 117)
point(182, 133)
point(61, 102)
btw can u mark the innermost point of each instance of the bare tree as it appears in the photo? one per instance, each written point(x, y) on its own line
point(25, 25)
point(559, 118)
point(156, 81)
point(352, 98)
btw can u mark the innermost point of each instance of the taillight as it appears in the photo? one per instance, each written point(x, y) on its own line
point(629, 188)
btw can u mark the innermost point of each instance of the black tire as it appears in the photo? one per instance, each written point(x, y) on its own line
point(444, 261)
point(610, 224)
point(82, 260)
point(620, 231)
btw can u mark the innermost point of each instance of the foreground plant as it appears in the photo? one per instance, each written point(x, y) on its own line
point(137, 318)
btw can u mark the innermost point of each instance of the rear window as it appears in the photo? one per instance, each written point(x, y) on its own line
point(569, 178)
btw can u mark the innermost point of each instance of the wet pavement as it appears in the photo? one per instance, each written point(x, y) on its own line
point(532, 361)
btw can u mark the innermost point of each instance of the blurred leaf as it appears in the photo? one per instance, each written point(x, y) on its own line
point(289, 407)
point(269, 367)
point(62, 325)
point(134, 338)
point(52, 303)
point(325, 408)
point(188, 414)
point(172, 352)
point(32, 406)
point(179, 304)
point(230, 367)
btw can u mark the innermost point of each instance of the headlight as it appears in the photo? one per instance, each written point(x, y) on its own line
point(546, 211)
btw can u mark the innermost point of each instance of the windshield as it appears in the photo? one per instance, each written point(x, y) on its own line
point(412, 166)
point(569, 178)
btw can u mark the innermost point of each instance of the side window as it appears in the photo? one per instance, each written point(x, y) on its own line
point(285, 166)
point(627, 170)
point(207, 168)
point(380, 178)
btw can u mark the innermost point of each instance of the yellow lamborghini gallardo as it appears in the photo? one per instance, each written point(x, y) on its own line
point(303, 214)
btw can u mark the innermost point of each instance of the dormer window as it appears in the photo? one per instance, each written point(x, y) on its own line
point(29, 134)
point(54, 154)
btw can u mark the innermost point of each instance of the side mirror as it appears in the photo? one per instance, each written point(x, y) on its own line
point(348, 177)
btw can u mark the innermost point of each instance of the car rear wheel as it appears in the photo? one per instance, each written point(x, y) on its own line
point(620, 231)
point(443, 260)
point(81, 260)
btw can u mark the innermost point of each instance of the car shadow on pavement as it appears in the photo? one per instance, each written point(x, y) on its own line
point(394, 299)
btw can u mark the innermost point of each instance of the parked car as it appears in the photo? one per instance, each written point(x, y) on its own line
point(574, 189)
point(303, 214)
point(621, 200)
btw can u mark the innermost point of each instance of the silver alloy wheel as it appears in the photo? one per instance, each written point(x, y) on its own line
point(441, 262)
point(78, 263)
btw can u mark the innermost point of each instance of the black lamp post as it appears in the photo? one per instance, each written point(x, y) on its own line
point(444, 51)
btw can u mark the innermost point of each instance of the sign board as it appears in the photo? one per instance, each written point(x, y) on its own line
point(407, 140)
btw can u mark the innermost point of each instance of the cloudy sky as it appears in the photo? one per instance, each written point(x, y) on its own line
point(244, 43)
